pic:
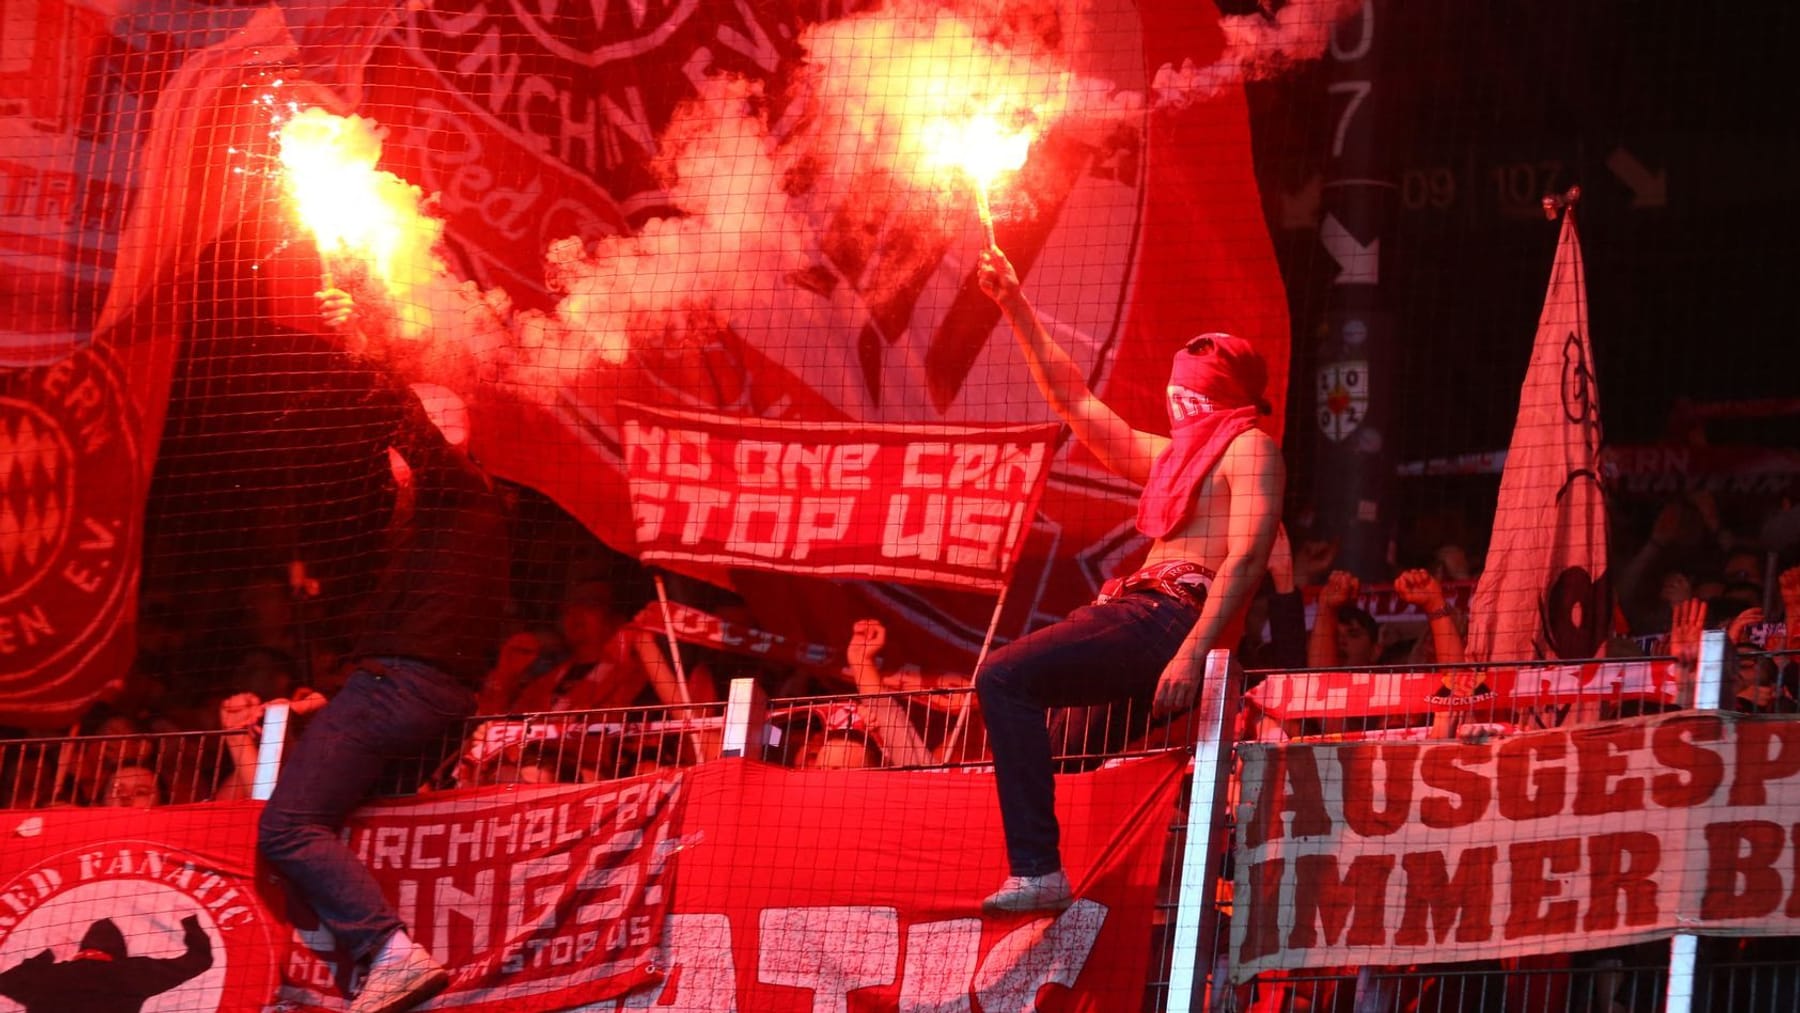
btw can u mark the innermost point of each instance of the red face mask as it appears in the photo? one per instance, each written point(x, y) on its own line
point(1215, 393)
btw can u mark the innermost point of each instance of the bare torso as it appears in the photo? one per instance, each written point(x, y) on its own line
point(1203, 537)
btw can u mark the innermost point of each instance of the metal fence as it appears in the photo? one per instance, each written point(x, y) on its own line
point(1189, 927)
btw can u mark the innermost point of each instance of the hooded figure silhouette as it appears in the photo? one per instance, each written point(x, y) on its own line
point(101, 978)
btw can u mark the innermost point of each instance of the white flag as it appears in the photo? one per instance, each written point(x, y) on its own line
point(1544, 592)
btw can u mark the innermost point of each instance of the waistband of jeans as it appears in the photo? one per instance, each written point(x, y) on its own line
point(1178, 579)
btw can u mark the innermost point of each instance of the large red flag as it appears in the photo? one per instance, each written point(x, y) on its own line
point(82, 385)
point(772, 276)
point(135, 175)
point(1544, 592)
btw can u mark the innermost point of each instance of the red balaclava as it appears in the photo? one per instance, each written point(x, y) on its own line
point(1215, 393)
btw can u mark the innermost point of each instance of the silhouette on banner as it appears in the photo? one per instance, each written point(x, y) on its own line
point(101, 977)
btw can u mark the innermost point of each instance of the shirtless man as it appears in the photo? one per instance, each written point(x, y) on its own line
point(1211, 505)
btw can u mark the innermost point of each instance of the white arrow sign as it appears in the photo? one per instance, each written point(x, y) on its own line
point(1357, 264)
point(1648, 189)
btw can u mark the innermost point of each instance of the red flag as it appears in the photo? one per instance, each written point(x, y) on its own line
point(78, 417)
point(82, 406)
point(1545, 592)
point(1131, 240)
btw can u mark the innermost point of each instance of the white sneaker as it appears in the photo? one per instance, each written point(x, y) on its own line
point(1049, 892)
point(397, 982)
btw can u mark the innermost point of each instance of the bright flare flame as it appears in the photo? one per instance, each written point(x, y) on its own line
point(916, 93)
point(980, 146)
point(358, 212)
point(982, 149)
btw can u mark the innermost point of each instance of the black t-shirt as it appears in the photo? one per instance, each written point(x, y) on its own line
point(442, 593)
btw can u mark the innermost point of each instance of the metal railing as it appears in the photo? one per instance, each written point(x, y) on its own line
point(160, 768)
point(943, 730)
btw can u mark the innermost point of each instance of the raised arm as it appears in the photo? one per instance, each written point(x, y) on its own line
point(1254, 475)
point(1419, 587)
point(240, 716)
point(156, 975)
point(664, 681)
point(867, 638)
point(1126, 451)
point(1686, 626)
point(887, 719)
point(1321, 646)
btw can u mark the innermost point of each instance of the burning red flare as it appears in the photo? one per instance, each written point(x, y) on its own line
point(983, 149)
point(358, 213)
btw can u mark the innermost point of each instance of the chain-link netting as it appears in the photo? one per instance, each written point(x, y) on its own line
point(525, 380)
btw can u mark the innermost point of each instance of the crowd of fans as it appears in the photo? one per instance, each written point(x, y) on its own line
point(593, 691)
point(184, 727)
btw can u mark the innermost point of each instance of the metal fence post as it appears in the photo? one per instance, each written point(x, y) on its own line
point(1684, 947)
point(1203, 850)
point(746, 719)
point(269, 750)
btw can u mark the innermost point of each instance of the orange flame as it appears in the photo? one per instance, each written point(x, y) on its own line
point(950, 106)
point(979, 146)
point(357, 212)
point(982, 149)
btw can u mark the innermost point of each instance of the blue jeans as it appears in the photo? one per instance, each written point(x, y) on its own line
point(1099, 654)
point(331, 770)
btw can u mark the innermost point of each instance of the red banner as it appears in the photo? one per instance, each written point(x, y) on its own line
point(1372, 694)
point(1668, 470)
point(537, 898)
point(703, 629)
point(103, 911)
point(1658, 469)
point(733, 885)
point(859, 891)
point(1568, 839)
point(944, 505)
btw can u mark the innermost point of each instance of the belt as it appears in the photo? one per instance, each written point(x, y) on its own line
point(1177, 579)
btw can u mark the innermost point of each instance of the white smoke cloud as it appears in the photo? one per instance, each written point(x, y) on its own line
point(679, 278)
point(758, 205)
point(1257, 46)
